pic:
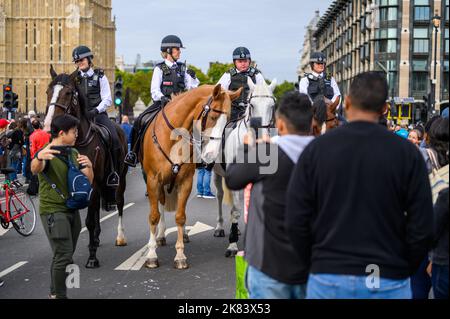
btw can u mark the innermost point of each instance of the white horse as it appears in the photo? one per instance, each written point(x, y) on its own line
point(261, 103)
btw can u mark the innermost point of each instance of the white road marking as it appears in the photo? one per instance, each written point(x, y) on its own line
point(4, 231)
point(137, 260)
point(12, 268)
point(110, 215)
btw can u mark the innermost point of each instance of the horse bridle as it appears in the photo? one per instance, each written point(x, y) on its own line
point(73, 98)
point(203, 116)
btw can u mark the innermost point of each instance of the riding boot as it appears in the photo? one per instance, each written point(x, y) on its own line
point(113, 177)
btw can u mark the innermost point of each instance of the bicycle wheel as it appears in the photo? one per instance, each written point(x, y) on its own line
point(21, 204)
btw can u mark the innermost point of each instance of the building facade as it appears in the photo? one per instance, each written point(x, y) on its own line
point(37, 33)
point(393, 36)
point(309, 45)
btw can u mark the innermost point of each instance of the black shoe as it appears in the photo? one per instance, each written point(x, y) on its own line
point(113, 180)
point(131, 159)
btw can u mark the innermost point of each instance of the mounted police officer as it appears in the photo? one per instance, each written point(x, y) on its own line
point(237, 77)
point(94, 85)
point(319, 84)
point(169, 77)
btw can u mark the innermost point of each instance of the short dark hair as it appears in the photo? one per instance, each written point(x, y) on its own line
point(36, 124)
point(63, 123)
point(296, 109)
point(369, 91)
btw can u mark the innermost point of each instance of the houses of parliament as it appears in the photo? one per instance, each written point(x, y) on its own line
point(37, 33)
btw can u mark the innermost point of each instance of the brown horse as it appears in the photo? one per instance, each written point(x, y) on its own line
point(325, 117)
point(167, 158)
point(64, 98)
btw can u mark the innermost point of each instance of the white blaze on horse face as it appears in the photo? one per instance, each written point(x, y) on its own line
point(51, 110)
point(211, 150)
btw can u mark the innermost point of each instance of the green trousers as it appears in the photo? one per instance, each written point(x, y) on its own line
point(62, 230)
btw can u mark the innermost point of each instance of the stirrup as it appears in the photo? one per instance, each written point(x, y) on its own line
point(113, 180)
point(131, 159)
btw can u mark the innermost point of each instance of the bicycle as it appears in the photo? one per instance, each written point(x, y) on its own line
point(19, 207)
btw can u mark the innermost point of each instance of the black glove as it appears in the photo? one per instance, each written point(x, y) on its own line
point(164, 100)
point(92, 114)
point(191, 73)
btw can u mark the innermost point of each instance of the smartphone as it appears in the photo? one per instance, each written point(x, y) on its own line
point(256, 123)
point(64, 150)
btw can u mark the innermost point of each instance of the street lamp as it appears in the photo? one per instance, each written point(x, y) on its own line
point(436, 21)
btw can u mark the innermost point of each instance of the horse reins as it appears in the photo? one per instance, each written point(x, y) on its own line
point(272, 120)
point(203, 116)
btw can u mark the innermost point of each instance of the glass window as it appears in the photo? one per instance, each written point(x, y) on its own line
point(421, 2)
point(386, 46)
point(421, 41)
point(419, 81)
point(388, 14)
point(422, 13)
point(420, 65)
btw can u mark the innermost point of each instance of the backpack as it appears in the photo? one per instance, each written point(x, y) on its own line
point(78, 187)
point(438, 177)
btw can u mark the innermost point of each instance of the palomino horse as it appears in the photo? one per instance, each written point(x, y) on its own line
point(64, 98)
point(262, 105)
point(167, 158)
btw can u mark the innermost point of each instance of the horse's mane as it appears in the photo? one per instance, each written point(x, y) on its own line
point(200, 90)
point(63, 78)
point(320, 109)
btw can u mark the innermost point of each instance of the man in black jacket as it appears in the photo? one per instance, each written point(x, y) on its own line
point(275, 270)
point(359, 206)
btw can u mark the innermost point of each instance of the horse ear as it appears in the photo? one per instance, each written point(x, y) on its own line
point(273, 85)
point(53, 72)
point(216, 92)
point(333, 106)
point(236, 94)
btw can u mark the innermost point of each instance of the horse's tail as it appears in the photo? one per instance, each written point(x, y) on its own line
point(227, 197)
point(171, 200)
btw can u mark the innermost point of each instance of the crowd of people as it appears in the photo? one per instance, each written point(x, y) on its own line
point(361, 216)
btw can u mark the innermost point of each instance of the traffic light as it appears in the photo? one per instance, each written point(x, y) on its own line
point(8, 97)
point(15, 101)
point(118, 92)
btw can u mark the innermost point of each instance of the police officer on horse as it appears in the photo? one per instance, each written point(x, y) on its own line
point(319, 84)
point(94, 85)
point(237, 77)
point(170, 77)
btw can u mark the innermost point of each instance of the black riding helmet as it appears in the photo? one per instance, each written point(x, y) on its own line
point(82, 52)
point(241, 53)
point(171, 41)
point(317, 57)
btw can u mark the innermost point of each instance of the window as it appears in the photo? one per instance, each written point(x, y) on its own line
point(386, 46)
point(388, 2)
point(446, 41)
point(420, 65)
point(445, 80)
point(419, 82)
point(388, 14)
point(59, 41)
point(421, 10)
point(421, 40)
point(26, 96)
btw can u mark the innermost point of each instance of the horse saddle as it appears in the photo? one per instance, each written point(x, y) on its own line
point(104, 133)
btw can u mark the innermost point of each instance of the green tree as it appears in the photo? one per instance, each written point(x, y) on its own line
point(216, 70)
point(283, 88)
point(202, 77)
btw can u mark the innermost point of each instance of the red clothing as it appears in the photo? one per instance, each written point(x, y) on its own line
point(38, 139)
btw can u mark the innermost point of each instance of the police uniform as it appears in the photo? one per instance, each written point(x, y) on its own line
point(170, 78)
point(314, 85)
point(234, 80)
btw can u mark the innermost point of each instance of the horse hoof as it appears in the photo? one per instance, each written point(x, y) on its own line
point(181, 264)
point(186, 238)
point(152, 263)
point(92, 263)
point(161, 242)
point(121, 242)
point(230, 253)
point(219, 233)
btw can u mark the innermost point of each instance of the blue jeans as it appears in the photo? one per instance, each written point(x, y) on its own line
point(325, 286)
point(203, 181)
point(421, 282)
point(261, 286)
point(14, 164)
point(439, 279)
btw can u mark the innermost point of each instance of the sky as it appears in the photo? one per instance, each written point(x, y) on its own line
point(210, 30)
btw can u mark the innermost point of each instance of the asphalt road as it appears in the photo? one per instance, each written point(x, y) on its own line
point(25, 262)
